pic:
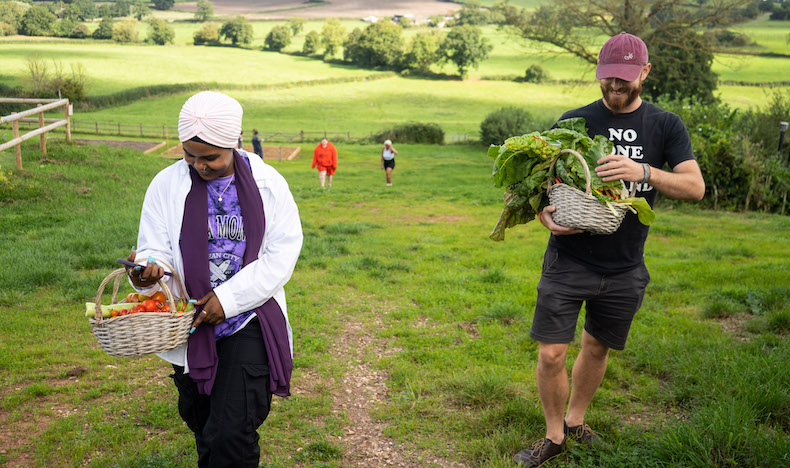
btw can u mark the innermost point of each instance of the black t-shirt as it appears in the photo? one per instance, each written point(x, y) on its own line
point(647, 135)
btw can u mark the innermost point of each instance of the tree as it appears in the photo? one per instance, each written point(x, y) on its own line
point(208, 34)
point(471, 14)
point(466, 47)
point(278, 38)
point(423, 51)
point(205, 10)
point(379, 44)
point(11, 13)
point(238, 30)
point(296, 25)
point(159, 32)
point(122, 8)
point(37, 21)
point(164, 4)
point(104, 30)
point(668, 26)
point(87, 9)
point(125, 31)
point(312, 43)
point(332, 36)
point(140, 11)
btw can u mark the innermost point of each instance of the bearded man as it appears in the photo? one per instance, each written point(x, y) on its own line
point(607, 272)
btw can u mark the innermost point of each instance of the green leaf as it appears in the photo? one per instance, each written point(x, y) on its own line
point(643, 211)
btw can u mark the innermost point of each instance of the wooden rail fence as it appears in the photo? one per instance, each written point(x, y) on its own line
point(42, 105)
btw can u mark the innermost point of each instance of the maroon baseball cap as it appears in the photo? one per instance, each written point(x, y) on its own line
point(623, 56)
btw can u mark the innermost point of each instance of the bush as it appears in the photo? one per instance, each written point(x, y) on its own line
point(312, 43)
point(238, 30)
point(208, 34)
point(504, 123)
point(164, 4)
point(413, 132)
point(125, 32)
point(536, 74)
point(104, 30)
point(737, 152)
point(80, 31)
point(160, 32)
point(278, 38)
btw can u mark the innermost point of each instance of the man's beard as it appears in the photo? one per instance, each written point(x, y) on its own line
point(618, 103)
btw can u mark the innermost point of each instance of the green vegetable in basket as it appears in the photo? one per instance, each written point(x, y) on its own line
point(521, 164)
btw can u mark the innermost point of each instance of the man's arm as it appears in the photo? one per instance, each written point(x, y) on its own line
point(684, 182)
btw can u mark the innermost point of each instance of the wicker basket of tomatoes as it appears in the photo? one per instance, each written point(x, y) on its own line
point(140, 325)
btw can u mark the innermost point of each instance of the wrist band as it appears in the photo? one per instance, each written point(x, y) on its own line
point(540, 218)
point(647, 173)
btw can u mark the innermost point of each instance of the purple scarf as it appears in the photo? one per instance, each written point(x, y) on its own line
point(202, 346)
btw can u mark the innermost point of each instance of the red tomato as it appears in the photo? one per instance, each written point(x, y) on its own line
point(165, 308)
point(159, 296)
point(150, 305)
point(115, 313)
point(137, 309)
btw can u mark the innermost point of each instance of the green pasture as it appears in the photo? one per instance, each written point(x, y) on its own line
point(770, 36)
point(369, 106)
point(444, 311)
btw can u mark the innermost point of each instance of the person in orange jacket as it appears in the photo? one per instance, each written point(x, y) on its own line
point(325, 158)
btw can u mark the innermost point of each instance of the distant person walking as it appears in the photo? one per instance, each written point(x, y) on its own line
point(256, 143)
point(241, 140)
point(388, 160)
point(325, 159)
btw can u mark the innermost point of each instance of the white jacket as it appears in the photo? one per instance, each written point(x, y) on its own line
point(250, 287)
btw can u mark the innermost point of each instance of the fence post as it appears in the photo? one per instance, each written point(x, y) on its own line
point(97, 127)
point(119, 128)
point(43, 135)
point(301, 135)
point(18, 147)
point(68, 121)
point(141, 129)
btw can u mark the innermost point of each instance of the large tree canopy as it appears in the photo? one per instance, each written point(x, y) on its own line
point(668, 27)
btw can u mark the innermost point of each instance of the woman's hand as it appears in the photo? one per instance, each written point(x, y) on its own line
point(556, 229)
point(212, 312)
point(143, 277)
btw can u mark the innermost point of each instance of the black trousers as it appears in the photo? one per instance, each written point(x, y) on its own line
point(226, 422)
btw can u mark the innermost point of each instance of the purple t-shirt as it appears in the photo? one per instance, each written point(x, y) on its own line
point(226, 242)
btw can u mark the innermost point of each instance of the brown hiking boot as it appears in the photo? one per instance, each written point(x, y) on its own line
point(541, 451)
point(582, 433)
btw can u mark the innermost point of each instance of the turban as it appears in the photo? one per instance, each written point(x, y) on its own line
point(213, 117)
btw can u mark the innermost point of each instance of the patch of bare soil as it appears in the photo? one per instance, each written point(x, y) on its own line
point(283, 9)
point(138, 145)
point(363, 389)
point(277, 153)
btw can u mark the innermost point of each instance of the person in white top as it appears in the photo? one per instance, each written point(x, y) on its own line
point(388, 160)
point(240, 349)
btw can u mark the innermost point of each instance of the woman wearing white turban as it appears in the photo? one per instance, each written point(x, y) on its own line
point(229, 225)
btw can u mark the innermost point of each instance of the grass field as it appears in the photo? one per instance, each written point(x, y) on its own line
point(399, 286)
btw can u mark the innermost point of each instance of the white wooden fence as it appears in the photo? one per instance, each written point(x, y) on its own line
point(42, 105)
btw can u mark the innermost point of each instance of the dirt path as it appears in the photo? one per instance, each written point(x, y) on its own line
point(363, 389)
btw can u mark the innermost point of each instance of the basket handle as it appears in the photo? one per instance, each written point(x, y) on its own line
point(120, 273)
point(587, 187)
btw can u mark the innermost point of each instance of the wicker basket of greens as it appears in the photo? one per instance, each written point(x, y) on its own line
point(553, 167)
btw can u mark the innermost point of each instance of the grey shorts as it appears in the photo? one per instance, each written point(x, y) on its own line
point(611, 301)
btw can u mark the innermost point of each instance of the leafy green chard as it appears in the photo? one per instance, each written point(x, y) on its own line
point(522, 165)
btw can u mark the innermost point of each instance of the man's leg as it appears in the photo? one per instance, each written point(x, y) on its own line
point(389, 175)
point(588, 372)
point(322, 178)
point(552, 380)
point(329, 180)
